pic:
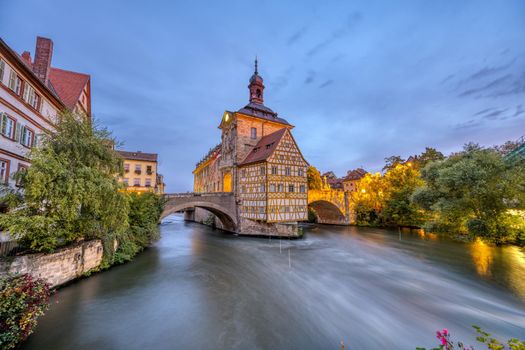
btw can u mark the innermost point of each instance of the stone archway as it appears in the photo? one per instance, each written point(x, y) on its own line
point(327, 213)
point(228, 220)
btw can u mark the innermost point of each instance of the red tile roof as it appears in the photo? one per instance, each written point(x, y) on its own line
point(264, 148)
point(356, 174)
point(68, 85)
point(149, 157)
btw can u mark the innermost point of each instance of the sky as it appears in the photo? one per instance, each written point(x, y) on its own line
point(360, 80)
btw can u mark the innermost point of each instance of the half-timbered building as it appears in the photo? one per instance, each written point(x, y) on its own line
point(259, 161)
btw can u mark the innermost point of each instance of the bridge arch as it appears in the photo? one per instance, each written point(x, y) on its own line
point(327, 212)
point(218, 205)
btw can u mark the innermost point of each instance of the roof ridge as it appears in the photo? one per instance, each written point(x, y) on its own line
point(71, 71)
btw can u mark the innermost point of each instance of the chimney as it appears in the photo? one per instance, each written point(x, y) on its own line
point(43, 54)
point(27, 57)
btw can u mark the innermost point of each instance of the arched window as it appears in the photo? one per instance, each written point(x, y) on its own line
point(258, 93)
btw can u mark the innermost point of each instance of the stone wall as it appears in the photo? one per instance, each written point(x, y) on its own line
point(59, 267)
point(261, 228)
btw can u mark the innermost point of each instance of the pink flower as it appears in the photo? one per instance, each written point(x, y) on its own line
point(445, 332)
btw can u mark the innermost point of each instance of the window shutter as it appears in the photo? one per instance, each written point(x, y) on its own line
point(26, 94)
point(3, 118)
point(2, 68)
point(18, 132)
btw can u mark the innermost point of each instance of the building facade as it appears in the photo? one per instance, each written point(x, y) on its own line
point(352, 179)
point(32, 93)
point(259, 161)
point(140, 172)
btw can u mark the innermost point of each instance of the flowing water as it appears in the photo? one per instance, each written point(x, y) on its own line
point(199, 288)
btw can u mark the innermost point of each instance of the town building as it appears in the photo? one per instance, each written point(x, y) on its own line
point(352, 179)
point(32, 93)
point(259, 161)
point(140, 172)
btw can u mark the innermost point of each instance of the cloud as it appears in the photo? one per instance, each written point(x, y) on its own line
point(298, 35)
point(326, 83)
point(487, 71)
point(350, 22)
point(310, 77)
point(488, 88)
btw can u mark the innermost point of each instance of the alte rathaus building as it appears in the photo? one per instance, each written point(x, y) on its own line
point(259, 161)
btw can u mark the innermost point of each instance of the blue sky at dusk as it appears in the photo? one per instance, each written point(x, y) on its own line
point(360, 80)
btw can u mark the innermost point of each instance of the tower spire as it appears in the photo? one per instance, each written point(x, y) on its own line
point(256, 86)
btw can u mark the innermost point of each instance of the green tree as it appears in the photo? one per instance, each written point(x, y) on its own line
point(429, 155)
point(144, 216)
point(70, 191)
point(314, 178)
point(472, 192)
point(369, 200)
point(391, 162)
point(399, 184)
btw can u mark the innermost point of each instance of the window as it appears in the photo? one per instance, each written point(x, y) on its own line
point(138, 168)
point(27, 137)
point(274, 170)
point(300, 172)
point(2, 69)
point(136, 182)
point(4, 170)
point(286, 209)
point(287, 171)
point(263, 188)
point(253, 133)
point(272, 187)
point(126, 167)
point(291, 188)
point(31, 97)
point(8, 126)
point(261, 210)
point(263, 170)
point(125, 181)
point(149, 170)
point(279, 187)
point(243, 189)
point(15, 83)
point(302, 188)
point(243, 173)
point(148, 183)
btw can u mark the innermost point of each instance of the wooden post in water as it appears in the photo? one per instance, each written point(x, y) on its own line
point(342, 345)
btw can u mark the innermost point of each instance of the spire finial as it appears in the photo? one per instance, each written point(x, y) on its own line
point(256, 72)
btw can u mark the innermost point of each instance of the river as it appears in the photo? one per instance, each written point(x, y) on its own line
point(199, 288)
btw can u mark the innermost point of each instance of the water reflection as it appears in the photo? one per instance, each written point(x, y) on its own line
point(482, 256)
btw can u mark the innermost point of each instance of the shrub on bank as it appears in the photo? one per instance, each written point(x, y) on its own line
point(446, 343)
point(22, 300)
point(144, 215)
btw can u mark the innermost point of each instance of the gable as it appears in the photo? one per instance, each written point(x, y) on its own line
point(288, 149)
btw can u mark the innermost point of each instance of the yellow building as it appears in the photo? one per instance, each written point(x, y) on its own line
point(140, 172)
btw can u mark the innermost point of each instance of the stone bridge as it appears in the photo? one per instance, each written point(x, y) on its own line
point(222, 204)
point(330, 206)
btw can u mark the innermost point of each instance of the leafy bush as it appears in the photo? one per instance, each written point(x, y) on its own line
point(144, 215)
point(22, 300)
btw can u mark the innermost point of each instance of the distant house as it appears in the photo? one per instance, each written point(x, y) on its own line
point(140, 172)
point(352, 179)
